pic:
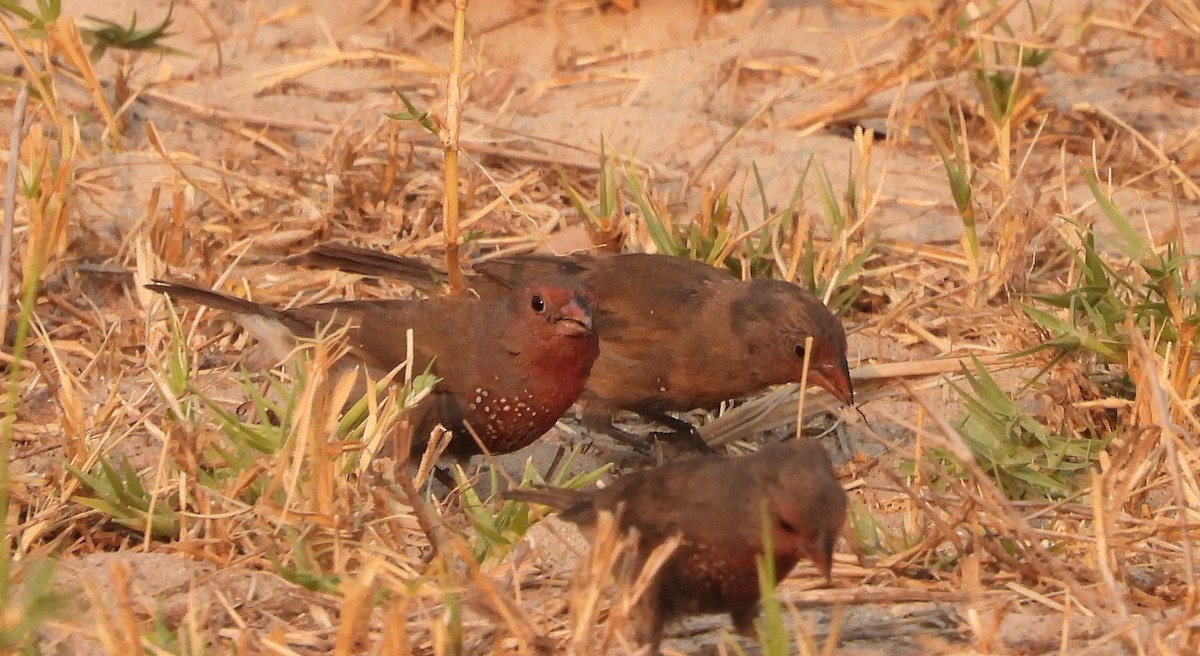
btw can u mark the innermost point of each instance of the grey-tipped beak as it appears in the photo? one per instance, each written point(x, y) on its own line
point(835, 379)
point(823, 556)
point(576, 318)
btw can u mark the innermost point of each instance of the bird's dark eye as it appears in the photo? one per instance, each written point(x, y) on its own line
point(800, 351)
point(787, 526)
point(537, 304)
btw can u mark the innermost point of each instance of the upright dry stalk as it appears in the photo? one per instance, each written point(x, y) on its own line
point(10, 405)
point(10, 201)
point(450, 146)
point(808, 342)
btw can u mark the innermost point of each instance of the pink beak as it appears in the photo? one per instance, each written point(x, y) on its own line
point(834, 378)
point(576, 319)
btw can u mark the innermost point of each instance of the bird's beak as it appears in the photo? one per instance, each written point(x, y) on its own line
point(822, 553)
point(576, 319)
point(835, 379)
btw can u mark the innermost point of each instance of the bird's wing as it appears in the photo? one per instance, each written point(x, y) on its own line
point(378, 329)
point(699, 496)
point(651, 322)
point(652, 296)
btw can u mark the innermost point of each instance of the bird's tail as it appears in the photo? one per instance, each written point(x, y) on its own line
point(369, 262)
point(269, 325)
point(213, 299)
point(555, 497)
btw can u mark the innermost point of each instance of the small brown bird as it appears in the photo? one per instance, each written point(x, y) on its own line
point(675, 334)
point(714, 504)
point(510, 365)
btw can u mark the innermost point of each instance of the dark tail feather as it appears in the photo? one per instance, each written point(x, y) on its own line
point(368, 262)
point(557, 498)
point(213, 299)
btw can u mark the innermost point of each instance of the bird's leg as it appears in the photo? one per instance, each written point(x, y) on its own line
point(743, 619)
point(443, 476)
point(648, 619)
point(635, 442)
point(599, 419)
point(680, 430)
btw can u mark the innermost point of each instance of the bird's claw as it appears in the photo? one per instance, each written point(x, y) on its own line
point(689, 437)
point(638, 444)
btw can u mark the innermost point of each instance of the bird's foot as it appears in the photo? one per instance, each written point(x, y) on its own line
point(443, 476)
point(635, 442)
point(680, 431)
point(690, 438)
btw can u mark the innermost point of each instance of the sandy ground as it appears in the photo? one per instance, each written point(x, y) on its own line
point(695, 98)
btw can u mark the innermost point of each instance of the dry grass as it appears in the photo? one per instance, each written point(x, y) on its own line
point(124, 440)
